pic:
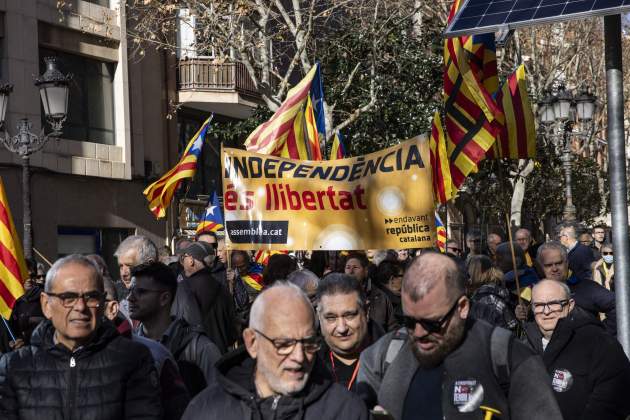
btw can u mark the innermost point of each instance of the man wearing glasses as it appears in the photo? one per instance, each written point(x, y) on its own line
point(444, 365)
point(276, 374)
point(588, 369)
point(77, 365)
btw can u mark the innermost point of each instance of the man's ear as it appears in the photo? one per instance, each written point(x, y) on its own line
point(251, 342)
point(44, 301)
point(463, 307)
point(571, 304)
point(111, 309)
point(166, 299)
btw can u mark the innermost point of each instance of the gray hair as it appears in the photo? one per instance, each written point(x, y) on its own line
point(303, 279)
point(570, 229)
point(529, 234)
point(565, 288)
point(379, 256)
point(551, 245)
point(147, 251)
point(76, 259)
point(257, 312)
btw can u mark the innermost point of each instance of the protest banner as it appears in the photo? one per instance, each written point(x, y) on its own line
point(377, 201)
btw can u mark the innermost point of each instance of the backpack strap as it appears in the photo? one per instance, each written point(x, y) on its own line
point(398, 339)
point(500, 340)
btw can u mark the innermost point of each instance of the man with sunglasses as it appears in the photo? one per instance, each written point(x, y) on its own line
point(442, 364)
point(77, 365)
point(276, 375)
point(588, 368)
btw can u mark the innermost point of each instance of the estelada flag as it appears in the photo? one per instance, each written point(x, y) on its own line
point(441, 236)
point(338, 150)
point(212, 220)
point(13, 271)
point(443, 189)
point(270, 137)
point(517, 139)
point(161, 192)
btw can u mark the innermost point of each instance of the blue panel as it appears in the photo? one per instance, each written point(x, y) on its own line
point(500, 7)
point(466, 23)
point(549, 11)
point(496, 19)
point(606, 4)
point(473, 3)
point(474, 11)
point(578, 6)
point(544, 3)
point(526, 4)
point(520, 15)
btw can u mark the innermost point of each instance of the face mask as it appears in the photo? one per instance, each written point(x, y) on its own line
point(608, 259)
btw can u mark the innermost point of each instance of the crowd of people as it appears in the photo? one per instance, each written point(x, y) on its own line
point(512, 330)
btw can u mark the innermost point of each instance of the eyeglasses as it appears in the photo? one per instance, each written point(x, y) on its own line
point(431, 326)
point(607, 253)
point(453, 249)
point(69, 299)
point(285, 346)
point(552, 305)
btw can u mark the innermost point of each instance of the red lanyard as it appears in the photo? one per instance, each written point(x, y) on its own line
point(354, 374)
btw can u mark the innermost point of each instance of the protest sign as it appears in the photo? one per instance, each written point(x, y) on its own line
point(377, 201)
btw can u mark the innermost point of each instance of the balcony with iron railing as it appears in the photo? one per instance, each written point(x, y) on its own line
point(202, 74)
point(224, 88)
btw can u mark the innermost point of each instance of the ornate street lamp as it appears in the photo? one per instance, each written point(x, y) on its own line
point(558, 115)
point(54, 92)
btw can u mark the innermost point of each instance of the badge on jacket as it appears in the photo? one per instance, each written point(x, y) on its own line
point(467, 395)
point(562, 380)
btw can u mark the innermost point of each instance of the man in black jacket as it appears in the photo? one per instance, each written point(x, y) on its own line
point(214, 303)
point(276, 375)
point(589, 371)
point(150, 299)
point(590, 296)
point(580, 257)
point(77, 365)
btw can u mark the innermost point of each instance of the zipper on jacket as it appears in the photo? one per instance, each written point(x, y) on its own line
point(274, 405)
point(71, 388)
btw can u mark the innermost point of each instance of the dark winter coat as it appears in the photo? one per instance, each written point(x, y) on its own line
point(110, 378)
point(232, 395)
point(588, 369)
point(387, 384)
point(27, 314)
point(491, 303)
point(215, 308)
point(194, 353)
point(580, 260)
point(381, 309)
point(595, 299)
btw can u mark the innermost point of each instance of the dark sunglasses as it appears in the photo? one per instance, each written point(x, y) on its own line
point(453, 249)
point(431, 326)
point(607, 253)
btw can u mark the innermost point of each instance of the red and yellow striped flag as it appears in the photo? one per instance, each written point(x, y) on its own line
point(270, 137)
point(338, 150)
point(517, 139)
point(160, 193)
point(442, 183)
point(13, 271)
point(440, 233)
point(311, 130)
point(473, 118)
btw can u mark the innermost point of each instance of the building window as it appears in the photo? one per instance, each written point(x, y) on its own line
point(91, 104)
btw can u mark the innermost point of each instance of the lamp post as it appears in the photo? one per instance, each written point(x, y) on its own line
point(559, 113)
point(54, 91)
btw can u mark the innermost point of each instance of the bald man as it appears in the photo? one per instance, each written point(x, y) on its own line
point(588, 369)
point(441, 363)
point(276, 374)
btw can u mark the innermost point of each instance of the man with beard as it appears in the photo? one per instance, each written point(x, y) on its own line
point(342, 311)
point(276, 374)
point(444, 365)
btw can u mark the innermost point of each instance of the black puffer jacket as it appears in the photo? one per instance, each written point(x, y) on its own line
point(587, 367)
point(233, 396)
point(110, 378)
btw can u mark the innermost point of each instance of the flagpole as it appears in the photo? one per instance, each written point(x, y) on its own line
point(4, 321)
